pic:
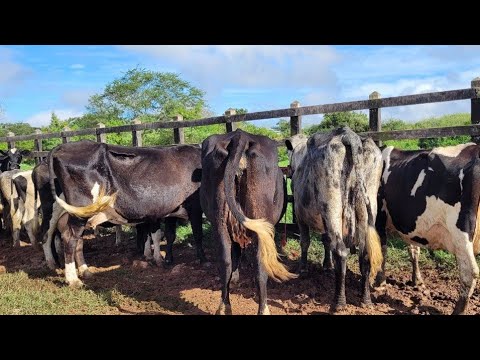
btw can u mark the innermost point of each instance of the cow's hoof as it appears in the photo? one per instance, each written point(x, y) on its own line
point(266, 311)
point(202, 259)
point(338, 306)
point(302, 270)
point(328, 267)
point(380, 285)
point(224, 310)
point(86, 274)
point(235, 277)
point(76, 284)
point(52, 266)
point(366, 304)
point(167, 264)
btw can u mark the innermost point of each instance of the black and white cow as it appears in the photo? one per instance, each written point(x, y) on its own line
point(10, 160)
point(431, 198)
point(243, 196)
point(123, 185)
point(335, 181)
point(18, 201)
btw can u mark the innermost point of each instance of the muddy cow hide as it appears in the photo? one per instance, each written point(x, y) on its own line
point(335, 181)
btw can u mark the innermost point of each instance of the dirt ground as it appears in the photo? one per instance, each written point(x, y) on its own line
point(194, 289)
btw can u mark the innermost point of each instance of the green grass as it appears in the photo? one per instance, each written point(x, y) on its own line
point(25, 296)
point(25, 166)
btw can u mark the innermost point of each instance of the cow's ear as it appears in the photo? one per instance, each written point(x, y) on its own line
point(288, 144)
point(3, 157)
point(4, 153)
point(122, 154)
point(26, 153)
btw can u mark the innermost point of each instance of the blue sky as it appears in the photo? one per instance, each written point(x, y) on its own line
point(36, 80)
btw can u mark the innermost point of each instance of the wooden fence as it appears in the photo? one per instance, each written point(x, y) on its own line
point(295, 112)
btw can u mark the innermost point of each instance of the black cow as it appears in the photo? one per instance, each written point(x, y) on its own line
point(243, 195)
point(50, 212)
point(124, 185)
point(431, 198)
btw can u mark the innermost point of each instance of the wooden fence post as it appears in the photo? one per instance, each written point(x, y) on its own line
point(65, 139)
point(10, 144)
point(375, 116)
point(178, 133)
point(102, 138)
point(230, 126)
point(137, 135)
point(295, 121)
point(475, 106)
point(38, 146)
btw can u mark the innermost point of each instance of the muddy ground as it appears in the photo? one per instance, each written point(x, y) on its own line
point(194, 289)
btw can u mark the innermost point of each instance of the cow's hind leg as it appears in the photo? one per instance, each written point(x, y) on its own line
point(48, 251)
point(414, 252)
point(304, 245)
point(170, 234)
point(57, 248)
point(236, 253)
point(340, 253)
point(380, 224)
point(262, 279)
point(82, 265)
point(468, 269)
point(327, 259)
point(71, 229)
point(224, 244)
point(365, 270)
point(195, 217)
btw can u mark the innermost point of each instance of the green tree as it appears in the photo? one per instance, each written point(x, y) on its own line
point(283, 127)
point(241, 111)
point(358, 122)
point(147, 94)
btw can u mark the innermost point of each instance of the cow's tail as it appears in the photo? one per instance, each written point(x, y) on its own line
point(372, 240)
point(101, 202)
point(267, 252)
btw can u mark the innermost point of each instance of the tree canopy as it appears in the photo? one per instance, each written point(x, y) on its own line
point(149, 95)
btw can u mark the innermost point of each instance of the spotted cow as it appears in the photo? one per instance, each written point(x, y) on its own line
point(431, 198)
point(335, 181)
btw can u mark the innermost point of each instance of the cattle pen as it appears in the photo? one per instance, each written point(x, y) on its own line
point(374, 104)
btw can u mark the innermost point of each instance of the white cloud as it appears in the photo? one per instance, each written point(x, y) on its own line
point(217, 67)
point(77, 66)
point(12, 73)
point(43, 118)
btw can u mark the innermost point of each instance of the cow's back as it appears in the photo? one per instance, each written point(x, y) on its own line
point(260, 189)
point(150, 182)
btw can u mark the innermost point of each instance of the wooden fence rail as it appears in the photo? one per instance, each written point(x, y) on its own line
point(295, 112)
